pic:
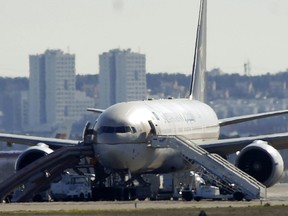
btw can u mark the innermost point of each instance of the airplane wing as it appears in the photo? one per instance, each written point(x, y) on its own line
point(239, 119)
point(229, 146)
point(53, 143)
point(95, 110)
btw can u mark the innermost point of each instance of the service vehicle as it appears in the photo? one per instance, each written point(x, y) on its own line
point(72, 187)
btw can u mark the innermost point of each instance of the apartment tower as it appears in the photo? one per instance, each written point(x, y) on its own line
point(51, 88)
point(122, 77)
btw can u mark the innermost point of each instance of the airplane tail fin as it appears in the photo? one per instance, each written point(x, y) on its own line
point(197, 88)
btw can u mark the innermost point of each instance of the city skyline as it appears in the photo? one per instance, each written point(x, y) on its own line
point(238, 32)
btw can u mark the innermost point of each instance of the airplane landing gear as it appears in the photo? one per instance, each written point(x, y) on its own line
point(115, 187)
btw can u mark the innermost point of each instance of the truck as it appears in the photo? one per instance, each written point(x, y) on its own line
point(166, 189)
point(72, 187)
point(198, 189)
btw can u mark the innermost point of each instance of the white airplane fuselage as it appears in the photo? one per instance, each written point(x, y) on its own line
point(124, 130)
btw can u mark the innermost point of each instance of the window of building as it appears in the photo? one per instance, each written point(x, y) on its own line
point(65, 84)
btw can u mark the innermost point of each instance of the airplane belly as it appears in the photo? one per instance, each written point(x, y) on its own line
point(139, 158)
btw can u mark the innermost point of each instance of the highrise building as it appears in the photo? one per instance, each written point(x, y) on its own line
point(122, 77)
point(51, 88)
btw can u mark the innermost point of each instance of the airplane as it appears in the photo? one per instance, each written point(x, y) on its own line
point(123, 131)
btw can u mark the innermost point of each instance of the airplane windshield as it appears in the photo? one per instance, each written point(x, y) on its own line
point(119, 129)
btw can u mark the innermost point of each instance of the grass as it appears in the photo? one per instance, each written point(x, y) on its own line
point(223, 211)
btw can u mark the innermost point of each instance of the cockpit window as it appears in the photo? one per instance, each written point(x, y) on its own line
point(119, 129)
point(122, 129)
point(133, 129)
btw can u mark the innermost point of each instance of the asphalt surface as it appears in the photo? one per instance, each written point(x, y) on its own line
point(277, 195)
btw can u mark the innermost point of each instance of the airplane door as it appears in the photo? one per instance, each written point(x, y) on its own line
point(153, 130)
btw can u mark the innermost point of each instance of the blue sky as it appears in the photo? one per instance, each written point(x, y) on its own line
point(164, 30)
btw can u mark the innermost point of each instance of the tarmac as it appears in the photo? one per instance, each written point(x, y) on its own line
point(276, 195)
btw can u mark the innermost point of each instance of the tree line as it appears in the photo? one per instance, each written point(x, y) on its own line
point(177, 84)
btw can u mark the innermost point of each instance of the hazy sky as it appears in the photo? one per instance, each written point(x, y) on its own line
point(164, 30)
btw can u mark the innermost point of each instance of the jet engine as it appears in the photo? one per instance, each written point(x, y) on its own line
point(261, 161)
point(32, 154)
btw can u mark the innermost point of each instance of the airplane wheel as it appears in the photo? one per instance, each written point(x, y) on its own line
point(238, 196)
point(187, 195)
point(38, 198)
point(81, 197)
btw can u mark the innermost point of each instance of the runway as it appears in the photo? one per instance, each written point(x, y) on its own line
point(277, 195)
